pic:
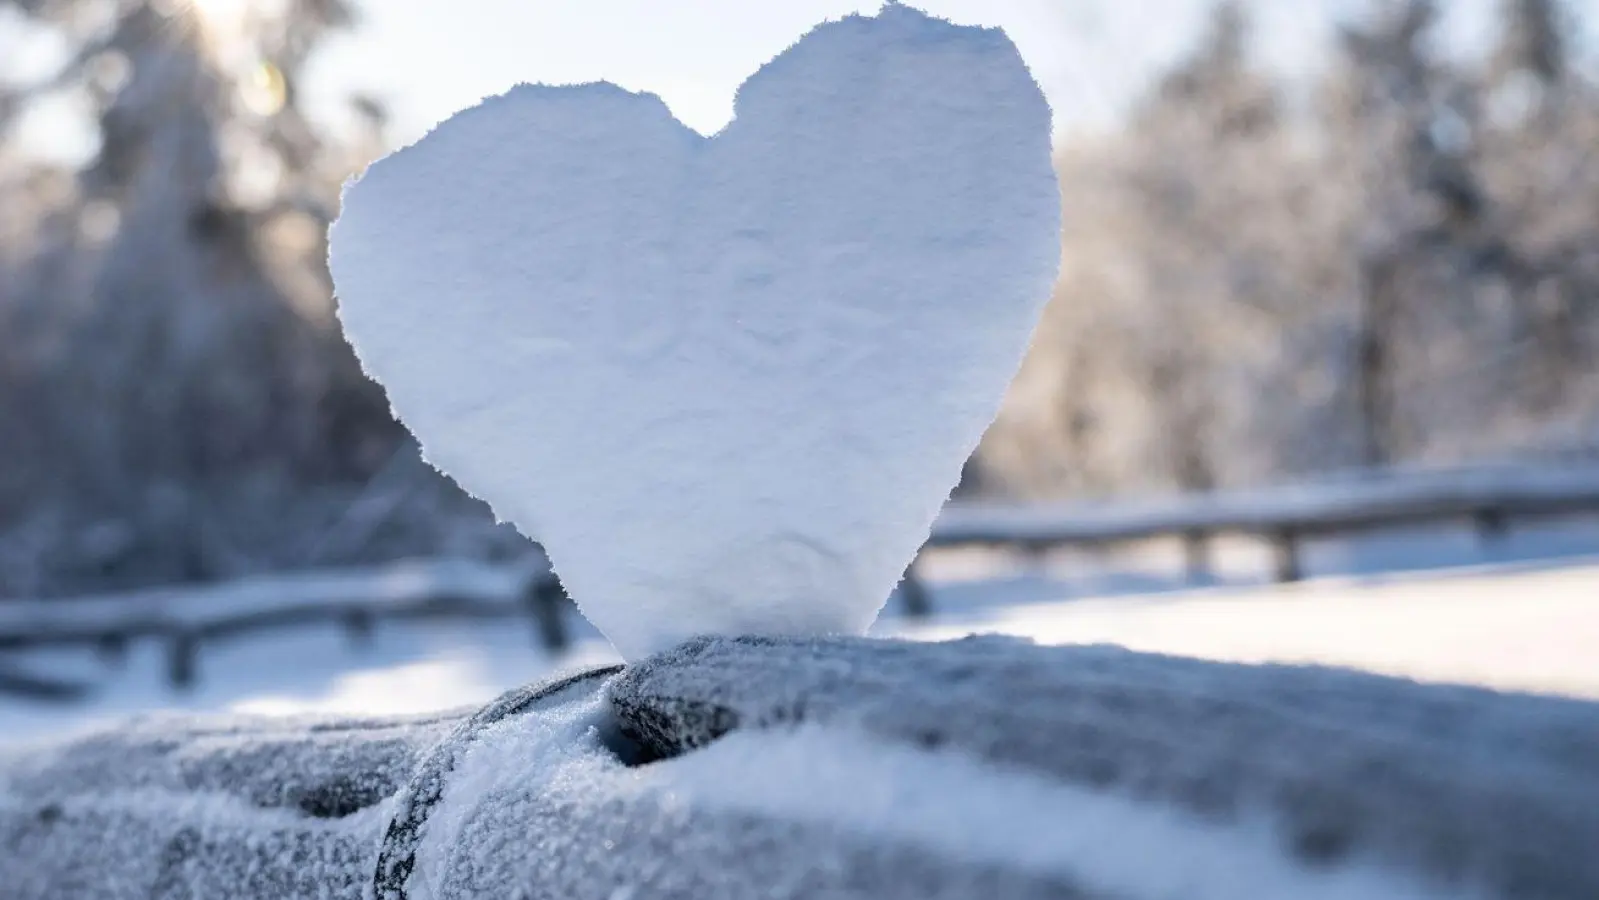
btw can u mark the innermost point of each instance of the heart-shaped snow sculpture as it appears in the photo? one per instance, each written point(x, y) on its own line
point(727, 382)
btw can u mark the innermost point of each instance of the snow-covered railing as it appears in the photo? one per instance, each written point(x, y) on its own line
point(186, 616)
point(1285, 516)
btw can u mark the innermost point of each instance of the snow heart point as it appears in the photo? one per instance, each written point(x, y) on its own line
point(727, 382)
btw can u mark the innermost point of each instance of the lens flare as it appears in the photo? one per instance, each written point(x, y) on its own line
point(264, 90)
point(222, 27)
point(220, 16)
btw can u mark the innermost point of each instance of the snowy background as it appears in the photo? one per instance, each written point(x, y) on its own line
point(1357, 236)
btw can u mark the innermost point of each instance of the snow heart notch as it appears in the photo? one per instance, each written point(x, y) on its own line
point(727, 382)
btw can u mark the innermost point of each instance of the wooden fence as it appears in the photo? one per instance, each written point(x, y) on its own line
point(187, 617)
point(1285, 517)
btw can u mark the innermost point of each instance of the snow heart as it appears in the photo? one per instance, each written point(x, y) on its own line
point(727, 382)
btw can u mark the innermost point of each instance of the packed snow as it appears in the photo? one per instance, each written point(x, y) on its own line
point(844, 768)
point(1349, 773)
point(1509, 627)
point(727, 382)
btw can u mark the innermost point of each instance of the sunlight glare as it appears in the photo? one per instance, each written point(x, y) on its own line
point(221, 25)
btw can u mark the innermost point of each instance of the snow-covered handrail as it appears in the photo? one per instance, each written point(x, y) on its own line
point(187, 615)
point(1284, 515)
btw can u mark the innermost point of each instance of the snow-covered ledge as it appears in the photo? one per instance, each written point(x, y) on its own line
point(792, 768)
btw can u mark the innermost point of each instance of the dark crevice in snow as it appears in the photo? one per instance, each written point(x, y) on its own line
point(340, 797)
point(661, 727)
point(629, 747)
point(337, 777)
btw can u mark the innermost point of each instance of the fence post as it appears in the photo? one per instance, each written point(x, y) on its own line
point(1491, 524)
point(359, 624)
point(913, 596)
point(1036, 553)
point(183, 650)
point(1196, 556)
point(112, 648)
point(1285, 551)
point(545, 601)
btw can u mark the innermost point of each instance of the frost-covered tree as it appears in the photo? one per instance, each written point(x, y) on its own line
point(1534, 42)
point(1145, 366)
point(1468, 341)
point(1401, 270)
point(188, 405)
point(1540, 165)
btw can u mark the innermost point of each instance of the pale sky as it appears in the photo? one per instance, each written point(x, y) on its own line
point(432, 57)
point(429, 58)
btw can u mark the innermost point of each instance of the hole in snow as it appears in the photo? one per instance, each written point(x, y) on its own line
point(614, 737)
point(341, 796)
point(642, 730)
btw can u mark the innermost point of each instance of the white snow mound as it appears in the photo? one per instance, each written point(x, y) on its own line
point(727, 382)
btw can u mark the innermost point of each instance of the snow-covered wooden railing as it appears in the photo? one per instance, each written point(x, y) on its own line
point(1286, 516)
point(187, 616)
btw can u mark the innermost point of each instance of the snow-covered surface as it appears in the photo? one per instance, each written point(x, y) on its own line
point(727, 382)
point(1343, 771)
point(168, 807)
point(854, 769)
point(833, 799)
point(1529, 631)
point(981, 814)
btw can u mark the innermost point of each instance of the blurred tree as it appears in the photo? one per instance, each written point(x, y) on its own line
point(1461, 350)
point(1402, 270)
point(1533, 43)
point(1540, 163)
point(1393, 133)
point(173, 359)
point(1172, 288)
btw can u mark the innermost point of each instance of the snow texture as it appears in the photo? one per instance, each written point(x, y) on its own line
point(168, 807)
point(1350, 773)
point(846, 768)
point(727, 382)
